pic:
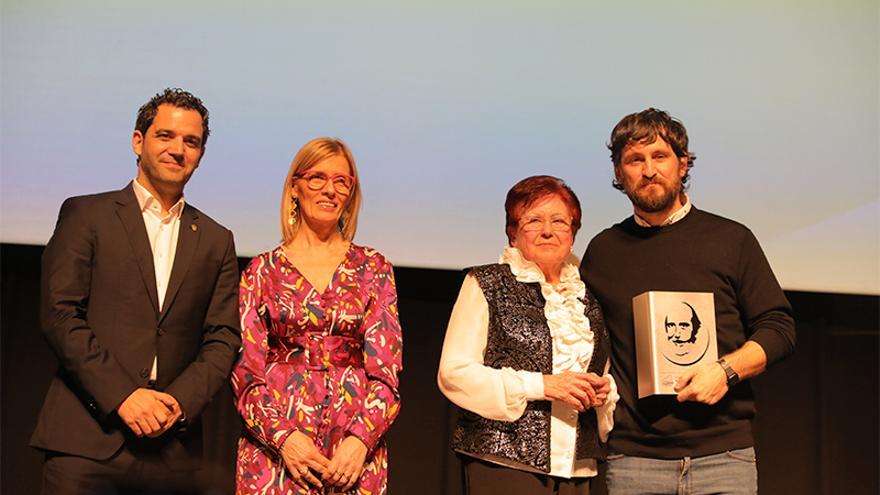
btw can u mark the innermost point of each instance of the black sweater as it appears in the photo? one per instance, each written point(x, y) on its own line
point(703, 253)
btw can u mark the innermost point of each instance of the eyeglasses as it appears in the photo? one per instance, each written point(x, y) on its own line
point(316, 181)
point(536, 224)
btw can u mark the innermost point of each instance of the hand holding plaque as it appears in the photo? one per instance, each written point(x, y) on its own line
point(705, 383)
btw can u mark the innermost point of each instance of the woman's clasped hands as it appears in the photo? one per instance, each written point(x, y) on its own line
point(579, 390)
point(306, 463)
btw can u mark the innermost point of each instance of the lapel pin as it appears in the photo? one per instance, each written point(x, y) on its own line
point(194, 227)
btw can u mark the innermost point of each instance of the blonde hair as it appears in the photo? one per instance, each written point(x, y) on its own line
point(312, 153)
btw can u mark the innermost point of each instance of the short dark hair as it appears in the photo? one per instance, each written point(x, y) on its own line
point(175, 97)
point(525, 192)
point(645, 127)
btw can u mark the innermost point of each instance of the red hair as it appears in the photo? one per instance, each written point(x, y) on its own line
point(528, 191)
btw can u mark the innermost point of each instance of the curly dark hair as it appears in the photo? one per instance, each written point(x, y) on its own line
point(175, 97)
point(644, 127)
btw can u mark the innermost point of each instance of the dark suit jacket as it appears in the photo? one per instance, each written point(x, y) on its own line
point(99, 313)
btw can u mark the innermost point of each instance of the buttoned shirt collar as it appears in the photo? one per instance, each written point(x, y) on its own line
point(671, 219)
point(148, 202)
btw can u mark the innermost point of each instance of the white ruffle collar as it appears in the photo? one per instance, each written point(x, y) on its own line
point(563, 308)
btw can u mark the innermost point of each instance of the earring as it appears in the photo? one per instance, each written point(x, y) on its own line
point(341, 223)
point(294, 203)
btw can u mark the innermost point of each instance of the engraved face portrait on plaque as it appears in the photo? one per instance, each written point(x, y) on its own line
point(674, 331)
point(685, 343)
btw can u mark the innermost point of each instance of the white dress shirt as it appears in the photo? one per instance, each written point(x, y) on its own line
point(502, 394)
point(162, 230)
point(671, 219)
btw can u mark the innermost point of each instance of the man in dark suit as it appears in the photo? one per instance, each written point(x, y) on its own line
point(139, 304)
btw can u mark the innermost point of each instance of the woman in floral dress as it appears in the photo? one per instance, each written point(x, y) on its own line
point(317, 380)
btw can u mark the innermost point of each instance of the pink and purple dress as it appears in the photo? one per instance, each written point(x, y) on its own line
point(324, 364)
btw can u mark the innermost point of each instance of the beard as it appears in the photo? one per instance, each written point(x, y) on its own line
point(649, 201)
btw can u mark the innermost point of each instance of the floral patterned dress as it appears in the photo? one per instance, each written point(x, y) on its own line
point(324, 364)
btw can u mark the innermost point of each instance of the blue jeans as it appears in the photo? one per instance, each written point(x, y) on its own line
point(729, 473)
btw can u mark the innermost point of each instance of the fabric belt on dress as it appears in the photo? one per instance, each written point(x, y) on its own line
point(316, 351)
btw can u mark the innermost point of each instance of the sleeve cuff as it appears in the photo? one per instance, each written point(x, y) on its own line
point(533, 382)
point(605, 412)
point(279, 439)
point(774, 345)
point(368, 438)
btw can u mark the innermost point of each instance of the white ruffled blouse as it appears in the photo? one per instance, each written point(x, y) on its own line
point(502, 394)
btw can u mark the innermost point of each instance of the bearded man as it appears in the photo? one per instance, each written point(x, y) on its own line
point(699, 441)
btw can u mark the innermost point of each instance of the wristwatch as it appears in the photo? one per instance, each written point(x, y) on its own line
point(732, 376)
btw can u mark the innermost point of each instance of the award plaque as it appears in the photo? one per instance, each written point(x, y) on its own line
point(674, 331)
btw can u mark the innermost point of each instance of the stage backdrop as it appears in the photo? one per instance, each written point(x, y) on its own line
point(447, 104)
point(806, 444)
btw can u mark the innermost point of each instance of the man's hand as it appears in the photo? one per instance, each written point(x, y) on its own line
point(149, 412)
point(301, 457)
point(706, 383)
point(576, 389)
point(176, 412)
point(347, 463)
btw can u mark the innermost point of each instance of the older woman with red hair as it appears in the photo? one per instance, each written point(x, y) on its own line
point(526, 356)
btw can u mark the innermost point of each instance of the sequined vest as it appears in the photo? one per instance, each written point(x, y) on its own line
point(519, 338)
